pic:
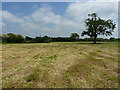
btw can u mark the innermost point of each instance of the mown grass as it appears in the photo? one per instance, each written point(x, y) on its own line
point(60, 65)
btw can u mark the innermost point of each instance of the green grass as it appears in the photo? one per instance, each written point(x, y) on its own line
point(60, 65)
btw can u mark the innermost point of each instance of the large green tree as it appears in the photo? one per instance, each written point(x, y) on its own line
point(96, 26)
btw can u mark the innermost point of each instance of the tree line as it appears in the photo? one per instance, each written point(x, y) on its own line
point(74, 37)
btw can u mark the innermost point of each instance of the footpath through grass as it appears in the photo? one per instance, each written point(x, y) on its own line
point(60, 65)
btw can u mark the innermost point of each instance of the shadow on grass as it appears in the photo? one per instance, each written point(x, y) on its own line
point(91, 43)
point(85, 43)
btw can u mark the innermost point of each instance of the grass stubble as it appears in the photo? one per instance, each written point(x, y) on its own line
point(60, 65)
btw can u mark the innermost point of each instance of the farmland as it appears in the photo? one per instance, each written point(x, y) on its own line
point(60, 65)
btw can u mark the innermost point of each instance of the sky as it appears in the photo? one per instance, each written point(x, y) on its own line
point(55, 19)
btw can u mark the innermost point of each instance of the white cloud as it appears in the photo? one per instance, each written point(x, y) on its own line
point(104, 10)
point(43, 21)
point(79, 11)
point(10, 17)
point(2, 24)
point(45, 15)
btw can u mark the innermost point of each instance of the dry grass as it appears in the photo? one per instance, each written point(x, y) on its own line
point(60, 65)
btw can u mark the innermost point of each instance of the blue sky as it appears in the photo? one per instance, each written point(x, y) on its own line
point(53, 18)
point(26, 8)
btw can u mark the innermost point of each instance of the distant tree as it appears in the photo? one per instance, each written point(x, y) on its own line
point(28, 39)
point(46, 39)
point(4, 38)
point(0, 38)
point(97, 26)
point(19, 38)
point(11, 38)
point(74, 36)
point(112, 39)
point(38, 39)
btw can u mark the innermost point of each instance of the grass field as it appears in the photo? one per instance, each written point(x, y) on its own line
point(60, 65)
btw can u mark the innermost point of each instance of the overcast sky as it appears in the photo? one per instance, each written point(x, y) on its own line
point(53, 18)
